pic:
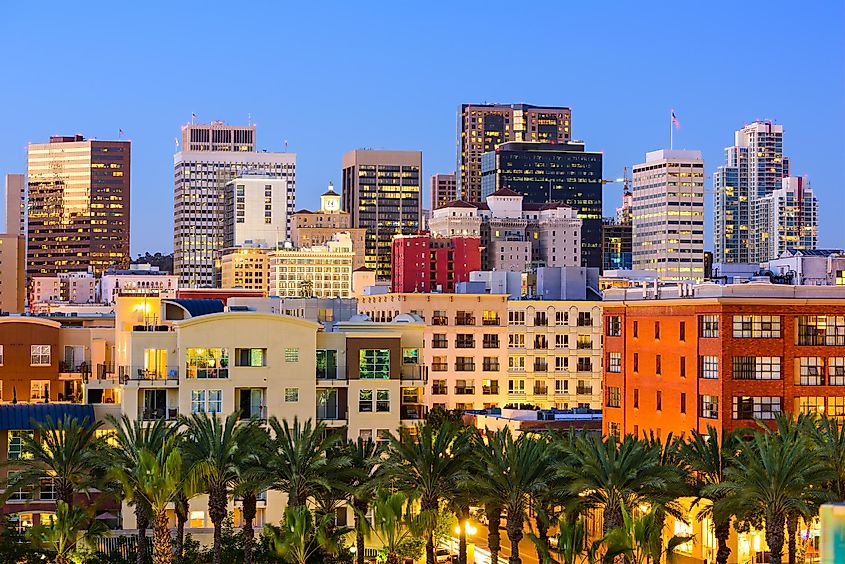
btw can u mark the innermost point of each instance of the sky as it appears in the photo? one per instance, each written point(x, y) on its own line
point(329, 77)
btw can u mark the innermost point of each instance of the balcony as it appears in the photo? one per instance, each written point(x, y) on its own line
point(439, 320)
point(491, 390)
point(464, 390)
point(413, 373)
point(140, 376)
point(82, 369)
point(412, 412)
point(584, 390)
point(541, 390)
point(541, 366)
point(159, 414)
point(331, 412)
point(490, 321)
point(465, 320)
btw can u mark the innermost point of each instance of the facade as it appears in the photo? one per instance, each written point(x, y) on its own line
point(515, 236)
point(685, 357)
point(78, 205)
point(754, 167)
point(245, 267)
point(443, 189)
point(786, 218)
point(202, 169)
point(616, 245)
point(667, 214)
point(15, 205)
point(483, 127)
point(143, 278)
point(310, 229)
point(12, 273)
point(323, 271)
point(382, 191)
point(258, 211)
point(422, 263)
point(70, 288)
point(552, 172)
point(819, 267)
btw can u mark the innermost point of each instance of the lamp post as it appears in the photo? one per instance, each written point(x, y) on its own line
point(463, 532)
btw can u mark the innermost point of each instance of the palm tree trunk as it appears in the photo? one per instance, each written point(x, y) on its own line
point(248, 510)
point(542, 534)
point(392, 558)
point(429, 504)
point(64, 491)
point(360, 509)
point(181, 506)
point(494, 518)
point(217, 497)
point(162, 543)
point(141, 539)
point(463, 517)
point(774, 536)
point(612, 517)
point(722, 532)
point(792, 530)
point(515, 536)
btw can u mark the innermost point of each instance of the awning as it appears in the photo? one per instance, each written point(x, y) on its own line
point(24, 416)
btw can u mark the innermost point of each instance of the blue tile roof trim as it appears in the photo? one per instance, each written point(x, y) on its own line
point(200, 306)
point(24, 416)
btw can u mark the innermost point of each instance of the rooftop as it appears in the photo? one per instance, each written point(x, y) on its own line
point(754, 290)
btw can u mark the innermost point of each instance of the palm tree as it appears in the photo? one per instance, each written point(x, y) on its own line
point(155, 483)
point(131, 437)
point(610, 474)
point(298, 462)
point(253, 482)
point(393, 526)
point(427, 464)
point(774, 477)
point(828, 438)
point(301, 537)
point(639, 540)
point(72, 527)
point(218, 453)
point(707, 459)
point(68, 451)
point(364, 456)
point(571, 547)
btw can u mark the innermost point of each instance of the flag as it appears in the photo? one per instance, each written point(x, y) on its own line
point(675, 121)
point(194, 116)
point(120, 133)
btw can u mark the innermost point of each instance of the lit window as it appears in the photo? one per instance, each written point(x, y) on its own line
point(374, 364)
point(291, 395)
point(614, 362)
point(39, 390)
point(16, 443)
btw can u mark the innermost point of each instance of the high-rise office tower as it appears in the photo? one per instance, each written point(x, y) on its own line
point(754, 167)
point(482, 127)
point(787, 218)
point(256, 213)
point(381, 190)
point(78, 205)
point(13, 246)
point(552, 172)
point(443, 190)
point(14, 198)
point(668, 214)
point(212, 155)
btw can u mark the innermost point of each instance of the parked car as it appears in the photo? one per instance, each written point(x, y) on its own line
point(443, 555)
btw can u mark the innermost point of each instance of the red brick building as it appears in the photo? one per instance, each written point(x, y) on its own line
point(422, 263)
point(682, 358)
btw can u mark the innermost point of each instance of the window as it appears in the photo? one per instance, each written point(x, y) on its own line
point(656, 329)
point(836, 405)
point(291, 354)
point(464, 341)
point(682, 331)
point(760, 326)
point(814, 405)
point(540, 319)
point(208, 363)
point(215, 401)
point(438, 387)
point(464, 364)
point(374, 364)
point(516, 387)
point(585, 319)
point(410, 356)
point(836, 371)
point(614, 430)
point(821, 330)
point(251, 357)
point(327, 364)
point(489, 387)
point(613, 397)
point(197, 401)
point(708, 326)
point(47, 489)
point(516, 318)
point(584, 342)
point(561, 387)
point(155, 363)
point(810, 371)
point(464, 387)
point(197, 520)
point(438, 364)
point(583, 387)
point(1, 355)
point(636, 398)
point(21, 494)
point(561, 363)
point(365, 401)
point(490, 317)
point(382, 401)
point(439, 317)
point(709, 407)
point(291, 395)
point(516, 363)
point(561, 341)
point(683, 367)
point(16, 442)
point(465, 318)
point(561, 318)
point(39, 355)
point(683, 402)
point(39, 390)
point(614, 326)
point(756, 368)
point(636, 329)
point(659, 401)
point(490, 341)
point(761, 407)
point(709, 367)
point(541, 342)
point(516, 341)
point(614, 362)
point(490, 364)
point(636, 362)
point(658, 368)
point(585, 364)
point(840, 277)
point(439, 341)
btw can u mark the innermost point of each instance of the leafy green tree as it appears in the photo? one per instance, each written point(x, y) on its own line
point(394, 527)
point(571, 546)
point(72, 528)
point(828, 438)
point(429, 465)
point(639, 540)
point(302, 536)
point(253, 481)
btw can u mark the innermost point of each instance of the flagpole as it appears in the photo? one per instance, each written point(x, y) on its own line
point(670, 129)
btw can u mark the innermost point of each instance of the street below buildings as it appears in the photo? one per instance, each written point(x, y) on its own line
point(527, 551)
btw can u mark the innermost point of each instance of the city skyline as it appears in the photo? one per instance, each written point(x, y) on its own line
point(606, 113)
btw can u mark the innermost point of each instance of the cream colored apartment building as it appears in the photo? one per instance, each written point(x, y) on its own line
point(245, 267)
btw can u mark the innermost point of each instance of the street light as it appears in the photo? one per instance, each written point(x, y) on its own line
point(467, 528)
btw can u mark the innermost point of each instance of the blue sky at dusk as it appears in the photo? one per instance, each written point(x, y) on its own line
point(334, 76)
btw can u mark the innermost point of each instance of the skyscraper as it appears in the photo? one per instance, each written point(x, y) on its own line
point(482, 127)
point(754, 167)
point(212, 155)
point(78, 205)
point(552, 172)
point(13, 246)
point(381, 190)
point(15, 204)
point(785, 219)
point(443, 189)
point(668, 214)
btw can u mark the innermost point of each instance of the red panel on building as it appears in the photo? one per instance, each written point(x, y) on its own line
point(422, 263)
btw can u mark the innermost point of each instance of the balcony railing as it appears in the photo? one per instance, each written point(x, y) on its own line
point(583, 390)
point(412, 372)
point(412, 411)
point(332, 412)
point(82, 368)
point(541, 391)
point(160, 414)
point(541, 367)
point(490, 390)
point(465, 391)
point(490, 321)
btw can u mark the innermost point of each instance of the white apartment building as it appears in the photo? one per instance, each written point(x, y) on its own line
point(668, 214)
point(71, 288)
point(786, 218)
point(322, 271)
point(257, 211)
point(142, 278)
